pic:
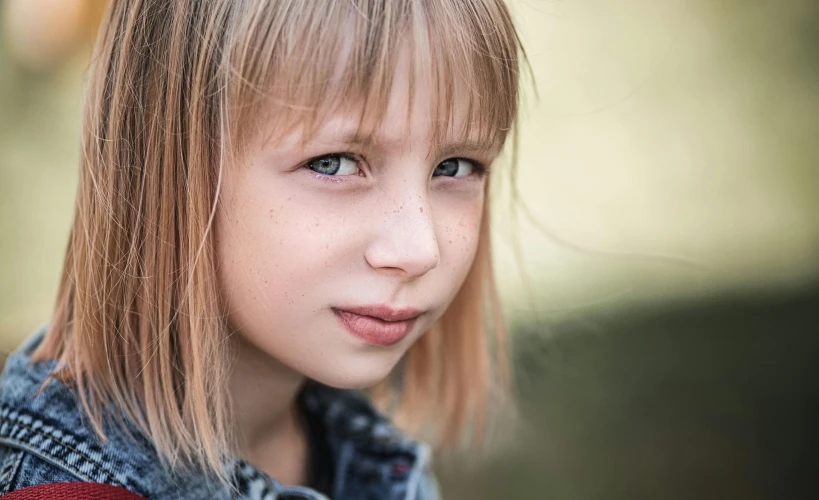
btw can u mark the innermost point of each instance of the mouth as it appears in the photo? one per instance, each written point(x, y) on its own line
point(378, 325)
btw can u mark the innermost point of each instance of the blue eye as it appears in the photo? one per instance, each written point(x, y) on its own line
point(454, 167)
point(336, 165)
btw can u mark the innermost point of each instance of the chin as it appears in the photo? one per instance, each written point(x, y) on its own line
point(354, 373)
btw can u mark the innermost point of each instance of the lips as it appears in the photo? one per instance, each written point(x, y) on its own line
point(378, 325)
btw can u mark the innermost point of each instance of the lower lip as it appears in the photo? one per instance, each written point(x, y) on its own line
point(375, 331)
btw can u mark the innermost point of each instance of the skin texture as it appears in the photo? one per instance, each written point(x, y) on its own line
point(292, 244)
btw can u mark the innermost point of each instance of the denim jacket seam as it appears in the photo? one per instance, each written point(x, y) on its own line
point(49, 455)
point(10, 470)
point(251, 475)
point(57, 462)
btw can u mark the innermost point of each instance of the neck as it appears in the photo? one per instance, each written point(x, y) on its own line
point(266, 418)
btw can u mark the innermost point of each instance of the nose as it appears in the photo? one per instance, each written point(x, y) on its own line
point(405, 243)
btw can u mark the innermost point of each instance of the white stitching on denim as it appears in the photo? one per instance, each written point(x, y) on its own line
point(50, 459)
point(10, 468)
point(57, 443)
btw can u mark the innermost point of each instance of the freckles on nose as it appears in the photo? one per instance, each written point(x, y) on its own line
point(405, 238)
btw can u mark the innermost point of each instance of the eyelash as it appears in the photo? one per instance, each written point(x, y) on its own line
point(332, 178)
point(479, 169)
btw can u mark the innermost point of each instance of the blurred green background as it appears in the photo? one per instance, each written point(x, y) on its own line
point(660, 271)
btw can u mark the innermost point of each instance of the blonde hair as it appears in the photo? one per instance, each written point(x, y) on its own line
point(175, 89)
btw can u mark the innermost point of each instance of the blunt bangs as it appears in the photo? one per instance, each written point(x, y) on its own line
point(295, 66)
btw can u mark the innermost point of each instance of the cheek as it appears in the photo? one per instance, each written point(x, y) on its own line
point(275, 247)
point(459, 225)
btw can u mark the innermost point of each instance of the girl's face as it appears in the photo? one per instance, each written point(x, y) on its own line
point(335, 255)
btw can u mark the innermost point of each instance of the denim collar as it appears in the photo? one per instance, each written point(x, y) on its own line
point(370, 456)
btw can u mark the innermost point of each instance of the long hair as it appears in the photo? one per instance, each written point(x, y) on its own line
point(175, 88)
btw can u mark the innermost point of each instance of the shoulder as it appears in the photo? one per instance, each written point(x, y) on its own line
point(45, 437)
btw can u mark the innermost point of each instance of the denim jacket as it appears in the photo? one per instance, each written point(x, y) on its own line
point(45, 438)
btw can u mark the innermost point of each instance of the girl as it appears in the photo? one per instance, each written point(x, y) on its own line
point(280, 202)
